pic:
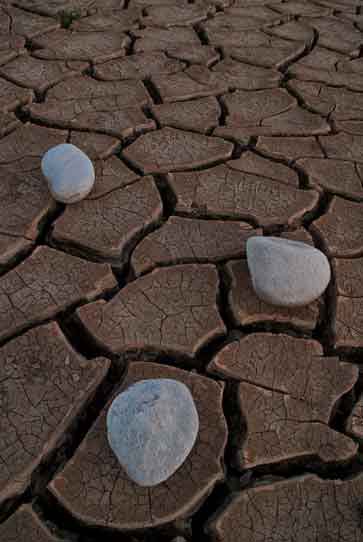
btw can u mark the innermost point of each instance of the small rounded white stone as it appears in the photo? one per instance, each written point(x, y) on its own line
point(286, 273)
point(69, 172)
point(152, 427)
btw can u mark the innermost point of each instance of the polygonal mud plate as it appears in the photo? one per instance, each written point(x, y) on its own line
point(95, 489)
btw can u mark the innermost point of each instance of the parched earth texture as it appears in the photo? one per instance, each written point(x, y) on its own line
point(208, 121)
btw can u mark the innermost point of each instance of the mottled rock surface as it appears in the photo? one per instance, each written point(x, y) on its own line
point(69, 172)
point(287, 273)
point(151, 428)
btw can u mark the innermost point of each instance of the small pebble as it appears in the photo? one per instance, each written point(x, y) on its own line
point(69, 172)
point(152, 427)
point(286, 273)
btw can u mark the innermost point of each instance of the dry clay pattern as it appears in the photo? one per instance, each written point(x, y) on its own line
point(208, 122)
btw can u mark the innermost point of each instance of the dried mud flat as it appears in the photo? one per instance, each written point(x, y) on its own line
point(208, 121)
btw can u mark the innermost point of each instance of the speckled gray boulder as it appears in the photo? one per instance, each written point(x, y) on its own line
point(152, 427)
point(69, 172)
point(286, 273)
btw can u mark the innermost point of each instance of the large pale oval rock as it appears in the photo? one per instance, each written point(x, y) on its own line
point(286, 273)
point(152, 427)
point(69, 172)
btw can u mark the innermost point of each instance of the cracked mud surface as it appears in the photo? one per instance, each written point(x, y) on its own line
point(208, 121)
point(114, 500)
